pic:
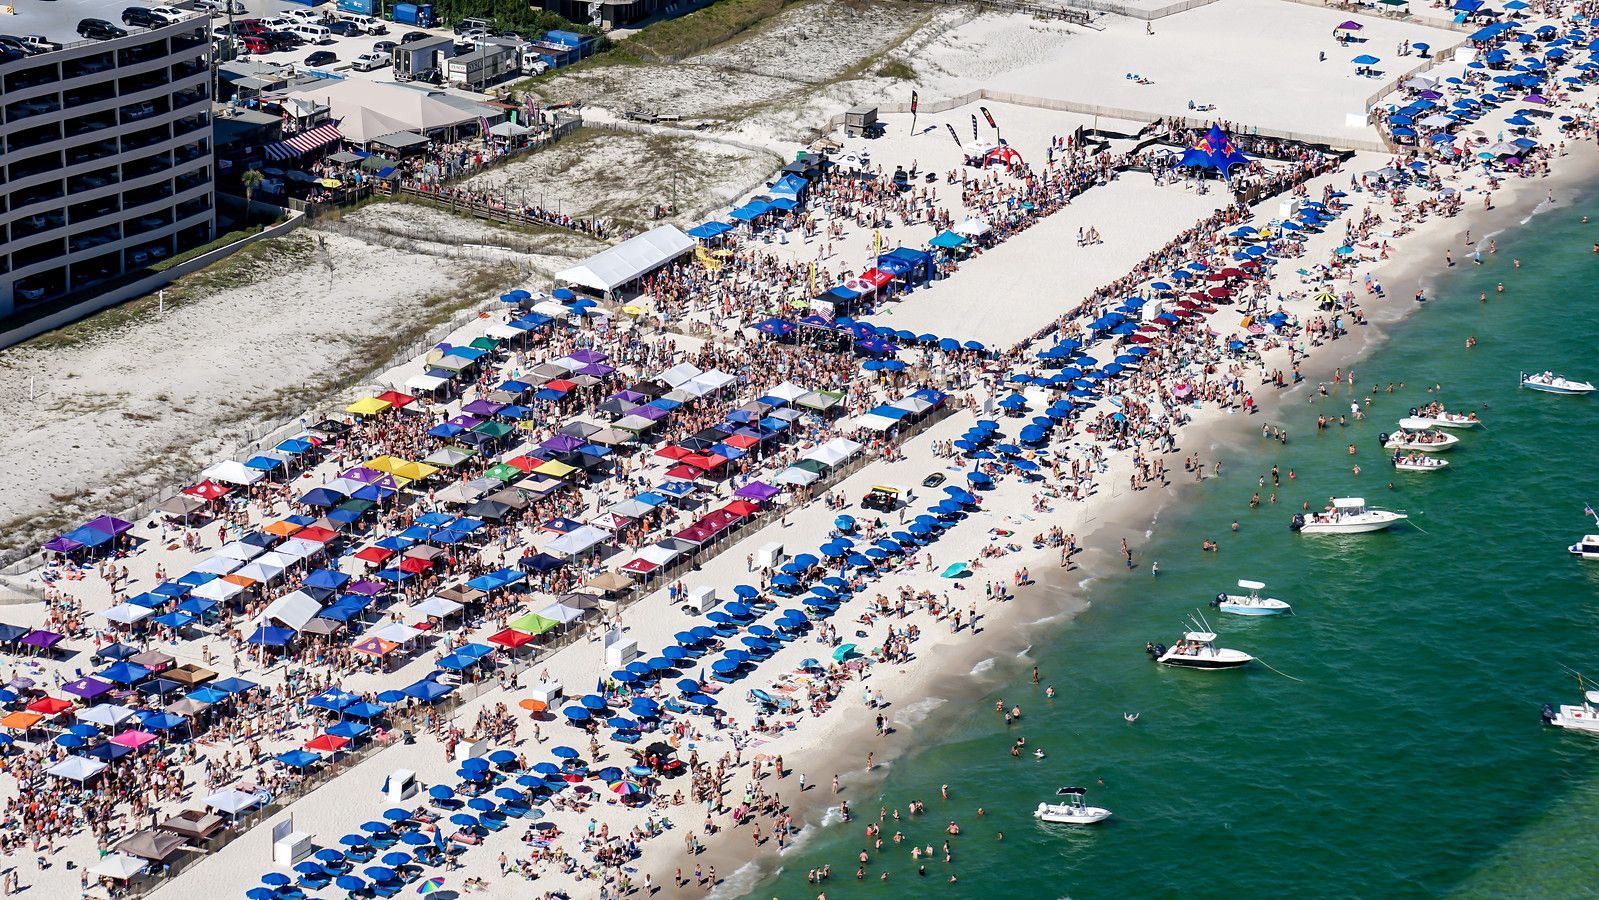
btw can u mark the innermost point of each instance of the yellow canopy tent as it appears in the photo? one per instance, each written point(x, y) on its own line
point(555, 469)
point(367, 406)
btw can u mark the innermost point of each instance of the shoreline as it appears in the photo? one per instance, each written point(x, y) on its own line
point(1135, 514)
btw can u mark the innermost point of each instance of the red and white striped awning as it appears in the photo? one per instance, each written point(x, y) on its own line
point(303, 142)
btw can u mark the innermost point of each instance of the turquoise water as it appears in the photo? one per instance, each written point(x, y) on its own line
point(1408, 759)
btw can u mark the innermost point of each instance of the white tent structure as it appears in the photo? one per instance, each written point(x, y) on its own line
point(292, 610)
point(365, 110)
point(628, 261)
point(77, 768)
point(120, 866)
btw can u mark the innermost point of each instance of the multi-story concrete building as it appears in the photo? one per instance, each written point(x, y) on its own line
point(105, 153)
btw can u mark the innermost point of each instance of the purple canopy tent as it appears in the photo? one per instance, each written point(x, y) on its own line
point(653, 413)
point(87, 688)
point(362, 474)
point(109, 524)
point(562, 443)
point(42, 639)
point(366, 588)
point(586, 355)
point(62, 544)
point(758, 491)
point(482, 407)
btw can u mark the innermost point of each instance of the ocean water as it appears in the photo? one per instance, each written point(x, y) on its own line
point(1399, 751)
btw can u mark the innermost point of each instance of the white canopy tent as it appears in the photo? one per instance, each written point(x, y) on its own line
point(628, 261)
point(77, 768)
point(293, 610)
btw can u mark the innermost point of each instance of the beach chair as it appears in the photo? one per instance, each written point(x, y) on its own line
point(674, 706)
point(493, 821)
point(359, 856)
point(515, 810)
point(314, 882)
point(466, 838)
point(385, 888)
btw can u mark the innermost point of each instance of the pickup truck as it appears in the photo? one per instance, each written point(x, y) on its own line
point(370, 60)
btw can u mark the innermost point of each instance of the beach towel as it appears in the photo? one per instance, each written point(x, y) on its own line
point(955, 570)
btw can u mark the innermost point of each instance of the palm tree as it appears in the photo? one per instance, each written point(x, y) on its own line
point(251, 179)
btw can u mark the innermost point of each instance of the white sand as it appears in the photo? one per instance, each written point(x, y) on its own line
point(156, 398)
point(1264, 73)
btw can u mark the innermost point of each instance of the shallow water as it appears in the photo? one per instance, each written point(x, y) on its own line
point(1404, 756)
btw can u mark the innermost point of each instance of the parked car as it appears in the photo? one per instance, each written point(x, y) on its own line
point(220, 6)
point(30, 293)
point(471, 24)
point(344, 28)
point(322, 58)
point(933, 480)
point(255, 44)
point(133, 17)
point(40, 43)
point(166, 15)
point(100, 30)
point(384, 47)
point(283, 40)
point(370, 60)
point(411, 37)
point(308, 16)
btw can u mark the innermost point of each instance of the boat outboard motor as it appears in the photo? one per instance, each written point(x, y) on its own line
point(1414, 411)
point(1297, 522)
point(1382, 438)
point(1155, 651)
point(1220, 598)
point(1548, 714)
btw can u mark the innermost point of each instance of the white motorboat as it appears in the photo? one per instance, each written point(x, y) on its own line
point(1435, 416)
point(1418, 462)
point(1550, 383)
point(1348, 515)
point(1198, 650)
point(1587, 548)
point(1583, 717)
point(1250, 603)
point(1433, 441)
point(1072, 810)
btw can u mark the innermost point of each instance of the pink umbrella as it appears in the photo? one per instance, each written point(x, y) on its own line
point(133, 739)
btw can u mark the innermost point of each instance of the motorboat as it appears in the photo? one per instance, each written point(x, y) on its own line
point(1418, 462)
point(1072, 810)
point(1198, 650)
point(1435, 416)
point(1250, 603)
point(1431, 441)
point(1347, 515)
point(1588, 547)
point(1578, 717)
point(1550, 383)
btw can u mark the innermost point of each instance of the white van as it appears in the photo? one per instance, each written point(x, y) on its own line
point(312, 34)
point(368, 24)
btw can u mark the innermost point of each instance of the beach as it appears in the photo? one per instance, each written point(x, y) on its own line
point(909, 647)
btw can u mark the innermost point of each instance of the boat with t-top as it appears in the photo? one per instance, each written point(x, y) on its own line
point(1198, 650)
point(1576, 716)
point(1550, 383)
point(1346, 515)
point(1072, 810)
point(1250, 603)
